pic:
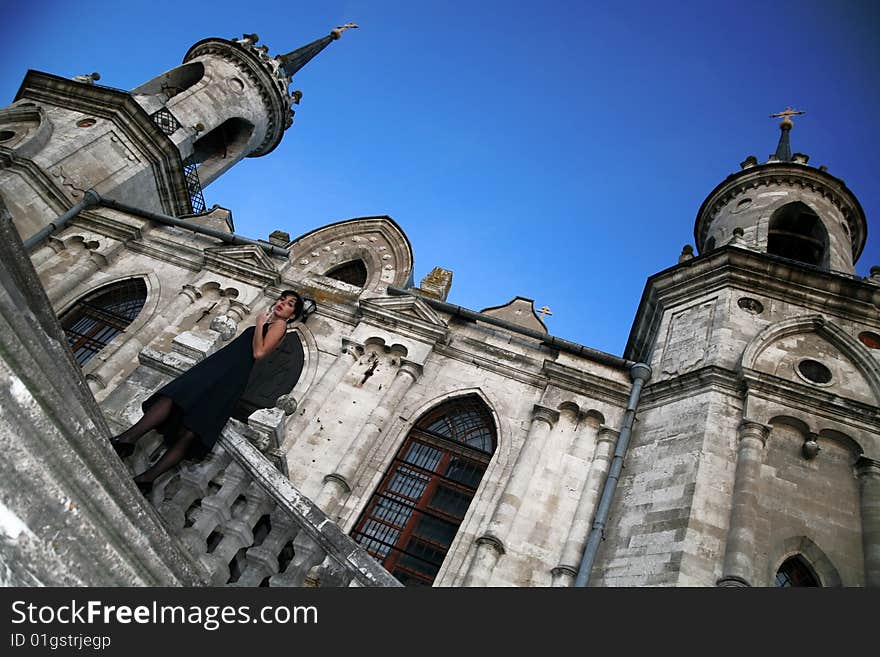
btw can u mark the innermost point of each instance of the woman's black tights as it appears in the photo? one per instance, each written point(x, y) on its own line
point(153, 417)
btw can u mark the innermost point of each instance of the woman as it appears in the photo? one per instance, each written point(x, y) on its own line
point(192, 409)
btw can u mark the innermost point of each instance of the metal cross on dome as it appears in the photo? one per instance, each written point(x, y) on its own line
point(544, 311)
point(787, 114)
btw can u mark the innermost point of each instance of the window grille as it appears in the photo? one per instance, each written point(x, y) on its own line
point(194, 186)
point(794, 572)
point(100, 316)
point(166, 121)
point(411, 520)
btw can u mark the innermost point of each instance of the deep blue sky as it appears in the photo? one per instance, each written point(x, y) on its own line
point(553, 150)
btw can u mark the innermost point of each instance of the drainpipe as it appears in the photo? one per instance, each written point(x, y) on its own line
point(229, 238)
point(640, 374)
point(558, 343)
point(90, 199)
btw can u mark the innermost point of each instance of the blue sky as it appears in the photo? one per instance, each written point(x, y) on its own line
point(556, 150)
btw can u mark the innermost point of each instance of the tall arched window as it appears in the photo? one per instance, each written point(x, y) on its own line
point(99, 316)
point(353, 273)
point(410, 521)
point(795, 572)
point(797, 233)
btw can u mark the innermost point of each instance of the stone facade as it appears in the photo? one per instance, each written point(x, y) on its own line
point(741, 456)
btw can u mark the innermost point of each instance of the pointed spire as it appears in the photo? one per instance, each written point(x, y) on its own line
point(783, 149)
point(297, 59)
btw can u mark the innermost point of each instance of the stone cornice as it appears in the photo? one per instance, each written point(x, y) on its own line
point(491, 364)
point(764, 275)
point(584, 383)
point(52, 193)
point(129, 117)
point(789, 173)
point(705, 379)
point(409, 316)
point(107, 226)
point(247, 263)
point(815, 401)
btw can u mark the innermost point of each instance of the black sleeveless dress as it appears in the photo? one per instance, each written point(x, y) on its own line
point(205, 395)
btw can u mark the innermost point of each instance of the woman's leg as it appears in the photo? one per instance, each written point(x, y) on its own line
point(152, 418)
point(172, 456)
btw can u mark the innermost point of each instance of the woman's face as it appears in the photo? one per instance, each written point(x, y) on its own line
point(285, 307)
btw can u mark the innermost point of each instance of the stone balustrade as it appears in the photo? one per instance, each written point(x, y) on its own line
point(247, 525)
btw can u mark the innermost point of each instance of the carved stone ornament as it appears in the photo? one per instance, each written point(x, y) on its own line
point(286, 403)
point(224, 326)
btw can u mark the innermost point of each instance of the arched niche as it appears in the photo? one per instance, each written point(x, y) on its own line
point(220, 148)
point(173, 82)
point(797, 233)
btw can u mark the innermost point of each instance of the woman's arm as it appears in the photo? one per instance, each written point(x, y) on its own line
point(262, 347)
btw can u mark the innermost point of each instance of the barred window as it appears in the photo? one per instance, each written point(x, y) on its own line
point(795, 572)
point(99, 316)
point(411, 520)
point(353, 273)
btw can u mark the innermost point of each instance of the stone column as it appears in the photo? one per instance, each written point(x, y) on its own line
point(491, 546)
point(88, 265)
point(128, 352)
point(564, 574)
point(868, 471)
point(739, 553)
point(340, 482)
point(315, 398)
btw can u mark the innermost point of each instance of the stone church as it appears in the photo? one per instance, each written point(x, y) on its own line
point(394, 438)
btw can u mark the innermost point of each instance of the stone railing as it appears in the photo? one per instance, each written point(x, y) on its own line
point(247, 525)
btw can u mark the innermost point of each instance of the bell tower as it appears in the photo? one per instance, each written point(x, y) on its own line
point(228, 100)
point(785, 208)
point(153, 147)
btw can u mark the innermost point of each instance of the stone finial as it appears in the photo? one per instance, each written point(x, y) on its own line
point(687, 253)
point(224, 326)
point(286, 403)
point(437, 284)
point(750, 161)
point(91, 78)
point(279, 238)
point(875, 275)
point(800, 158)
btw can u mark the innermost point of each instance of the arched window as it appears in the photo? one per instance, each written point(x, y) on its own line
point(99, 316)
point(353, 273)
point(795, 572)
point(797, 233)
point(409, 523)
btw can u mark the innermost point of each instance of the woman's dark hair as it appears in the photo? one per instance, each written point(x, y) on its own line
point(297, 307)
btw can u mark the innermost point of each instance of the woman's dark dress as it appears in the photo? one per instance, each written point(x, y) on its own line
point(205, 395)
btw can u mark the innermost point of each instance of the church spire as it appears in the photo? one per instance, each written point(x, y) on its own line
point(296, 59)
point(783, 149)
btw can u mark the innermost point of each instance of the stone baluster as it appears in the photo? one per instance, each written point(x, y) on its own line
point(490, 546)
point(216, 509)
point(738, 569)
point(868, 471)
point(564, 574)
point(237, 534)
point(193, 484)
point(307, 554)
point(308, 407)
point(341, 481)
point(261, 561)
point(328, 574)
point(127, 354)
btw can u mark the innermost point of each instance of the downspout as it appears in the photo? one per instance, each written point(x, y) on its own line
point(640, 374)
point(558, 343)
point(229, 238)
point(92, 199)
